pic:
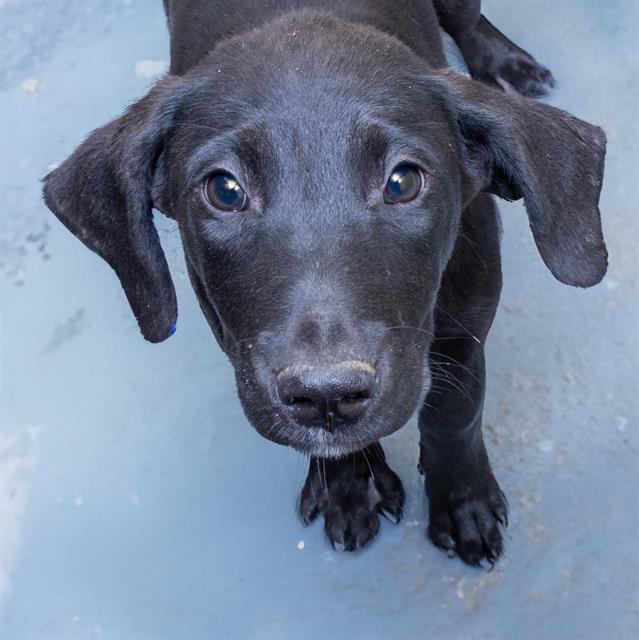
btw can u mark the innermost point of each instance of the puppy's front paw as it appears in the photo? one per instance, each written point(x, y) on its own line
point(350, 493)
point(466, 522)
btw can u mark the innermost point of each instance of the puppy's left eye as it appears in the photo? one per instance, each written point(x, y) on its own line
point(224, 192)
point(404, 184)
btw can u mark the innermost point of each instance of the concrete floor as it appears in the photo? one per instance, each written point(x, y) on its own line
point(137, 502)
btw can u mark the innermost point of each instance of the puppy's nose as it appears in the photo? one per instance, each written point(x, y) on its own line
point(327, 396)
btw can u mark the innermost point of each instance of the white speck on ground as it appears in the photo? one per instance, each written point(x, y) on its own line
point(460, 588)
point(622, 423)
point(300, 545)
point(150, 68)
point(30, 86)
point(545, 446)
point(611, 284)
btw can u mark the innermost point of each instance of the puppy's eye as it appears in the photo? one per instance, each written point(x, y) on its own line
point(223, 192)
point(404, 184)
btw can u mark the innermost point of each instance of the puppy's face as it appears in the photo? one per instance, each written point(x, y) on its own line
point(318, 171)
point(316, 225)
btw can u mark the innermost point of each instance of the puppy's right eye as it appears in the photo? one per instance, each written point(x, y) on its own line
point(404, 184)
point(224, 192)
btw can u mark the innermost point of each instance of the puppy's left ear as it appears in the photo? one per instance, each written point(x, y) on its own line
point(517, 147)
point(103, 194)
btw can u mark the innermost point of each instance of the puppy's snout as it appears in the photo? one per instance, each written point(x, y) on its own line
point(327, 396)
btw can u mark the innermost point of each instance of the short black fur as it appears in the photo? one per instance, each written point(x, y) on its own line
point(341, 313)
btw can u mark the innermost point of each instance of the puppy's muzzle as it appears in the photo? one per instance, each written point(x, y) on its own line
point(328, 396)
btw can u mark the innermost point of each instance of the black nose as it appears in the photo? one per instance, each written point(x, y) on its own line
point(328, 396)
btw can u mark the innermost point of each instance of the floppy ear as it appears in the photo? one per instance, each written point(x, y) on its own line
point(518, 147)
point(102, 194)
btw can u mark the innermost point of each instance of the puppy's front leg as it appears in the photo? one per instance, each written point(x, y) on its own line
point(465, 502)
point(349, 493)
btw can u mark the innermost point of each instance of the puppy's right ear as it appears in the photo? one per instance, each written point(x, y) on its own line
point(102, 194)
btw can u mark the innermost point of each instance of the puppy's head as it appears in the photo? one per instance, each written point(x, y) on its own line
point(317, 171)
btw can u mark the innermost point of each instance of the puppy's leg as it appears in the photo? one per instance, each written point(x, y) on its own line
point(349, 493)
point(466, 504)
point(489, 54)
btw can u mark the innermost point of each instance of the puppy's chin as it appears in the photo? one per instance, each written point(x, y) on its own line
point(318, 442)
point(323, 444)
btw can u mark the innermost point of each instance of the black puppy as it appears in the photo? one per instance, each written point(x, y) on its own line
point(331, 181)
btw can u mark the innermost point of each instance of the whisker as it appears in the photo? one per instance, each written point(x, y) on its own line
point(434, 408)
point(310, 480)
point(377, 450)
point(402, 326)
point(474, 246)
point(319, 472)
point(463, 366)
point(368, 463)
point(454, 382)
point(459, 324)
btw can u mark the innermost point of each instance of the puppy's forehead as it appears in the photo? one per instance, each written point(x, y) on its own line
point(305, 64)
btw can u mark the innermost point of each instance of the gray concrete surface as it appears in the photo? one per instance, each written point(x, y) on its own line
point(138, 503)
